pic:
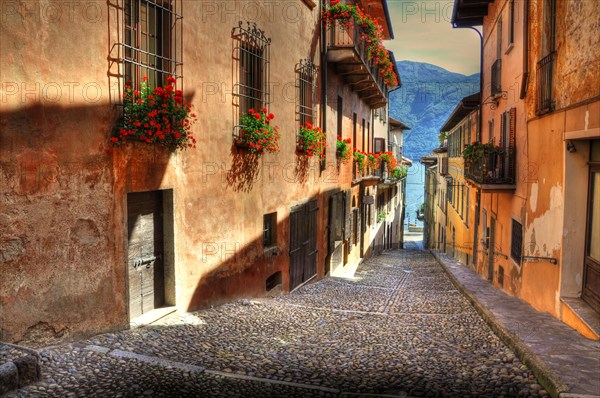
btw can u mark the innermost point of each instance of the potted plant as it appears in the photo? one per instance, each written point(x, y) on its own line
point(360, 159)
point(371, 33)
point(155, 116)
point(389, 160)
point(343, 148)
point(311, 141)
point(476, 150)
point(257, 134)
point(398, 173)
point(442, 136)
point(373, 161)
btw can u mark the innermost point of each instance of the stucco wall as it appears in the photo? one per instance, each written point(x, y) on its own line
point(63, 230)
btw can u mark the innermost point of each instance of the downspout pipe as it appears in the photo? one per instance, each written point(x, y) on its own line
point(525, 79)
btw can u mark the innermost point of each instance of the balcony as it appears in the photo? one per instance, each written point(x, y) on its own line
point(348, 51)
point(497, 78)
point(493, 172)
point(545, 69)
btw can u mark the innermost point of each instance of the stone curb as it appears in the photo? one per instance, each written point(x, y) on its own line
point(551, 382)
point(21, 371)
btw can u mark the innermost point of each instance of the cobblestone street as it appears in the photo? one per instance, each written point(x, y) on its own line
point(398, 328)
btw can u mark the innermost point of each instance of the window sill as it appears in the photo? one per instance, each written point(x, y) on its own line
point(311, 4)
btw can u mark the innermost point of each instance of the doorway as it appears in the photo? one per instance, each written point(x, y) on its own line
point(591, 269)
point(150, 256)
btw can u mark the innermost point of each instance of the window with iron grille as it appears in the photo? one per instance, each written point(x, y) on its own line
point(306, 73)
point(269, 230)
point(152, 41)
point(516, 241)
point(252, 69)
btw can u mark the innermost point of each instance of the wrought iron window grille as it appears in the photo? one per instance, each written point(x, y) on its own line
point(306, 73)
point(251, 55)
point(149, 42)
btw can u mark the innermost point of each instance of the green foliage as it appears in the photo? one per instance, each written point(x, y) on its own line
point(155, 116)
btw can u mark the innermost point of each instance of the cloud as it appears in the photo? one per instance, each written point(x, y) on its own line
point(423, 33)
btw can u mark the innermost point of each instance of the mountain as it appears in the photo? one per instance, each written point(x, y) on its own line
point(428, 96)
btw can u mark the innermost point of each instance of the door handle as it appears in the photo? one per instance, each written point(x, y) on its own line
point(138, 262)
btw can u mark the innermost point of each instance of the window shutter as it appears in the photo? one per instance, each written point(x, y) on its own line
point(348, 215)
point(502, 127)
point(512, 142)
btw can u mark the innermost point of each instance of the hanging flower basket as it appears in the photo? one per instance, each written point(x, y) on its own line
point(342, 148)
point(155, 116)
point(360, 159)
point(311, 141)
point(256, 133)
point(371, 33)
point(476, 150)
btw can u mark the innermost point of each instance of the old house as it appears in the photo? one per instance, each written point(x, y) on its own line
point(96, 238)
point(461, 227)
point(537, 181)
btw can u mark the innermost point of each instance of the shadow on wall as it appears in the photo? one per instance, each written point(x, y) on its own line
point(62, 222)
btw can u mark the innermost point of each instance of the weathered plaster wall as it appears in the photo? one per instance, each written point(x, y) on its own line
point(505, 206)
point(558, 179)
point(63, 234)
point(56, 204)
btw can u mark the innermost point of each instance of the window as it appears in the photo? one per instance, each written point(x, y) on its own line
point(306, 72)
point(469, 126)
point(511, 23)
point(499, 39)
point(355, 226)
point(269, 230)
point(467, 215)
point(491, 130)
point(340, 116)
point(516, 241)
point(152, 41)
point(379, 145)
point(549, 27)
point(364, 142)
point(545, 67)
point(251, 55)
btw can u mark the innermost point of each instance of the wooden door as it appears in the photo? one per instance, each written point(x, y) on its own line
point(591, 273)
point(303, 243)
point(491, 249)
point(145, 252)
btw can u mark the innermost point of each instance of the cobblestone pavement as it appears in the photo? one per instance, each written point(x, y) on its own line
point(399, 328)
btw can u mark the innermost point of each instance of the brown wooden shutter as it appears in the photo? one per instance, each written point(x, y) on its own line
point(348, 215)
point(502, 126)
point(512, 142)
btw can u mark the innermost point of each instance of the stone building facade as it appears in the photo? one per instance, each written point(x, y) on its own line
point(95, 238)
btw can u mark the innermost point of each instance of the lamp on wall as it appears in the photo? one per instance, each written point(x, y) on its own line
point(571, 147)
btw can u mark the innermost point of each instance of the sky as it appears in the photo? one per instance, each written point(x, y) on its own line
point(423, 33)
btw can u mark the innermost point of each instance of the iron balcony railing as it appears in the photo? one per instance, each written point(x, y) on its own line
point(492, 168)
point(344, 33)
point(545, 70)
point(497, 77)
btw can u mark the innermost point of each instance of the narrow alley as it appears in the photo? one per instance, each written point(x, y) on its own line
point(399, 328)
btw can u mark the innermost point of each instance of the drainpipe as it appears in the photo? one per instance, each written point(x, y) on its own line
point(525, 79)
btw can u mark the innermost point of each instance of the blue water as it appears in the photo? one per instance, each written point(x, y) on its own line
point(415, 194)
